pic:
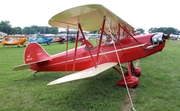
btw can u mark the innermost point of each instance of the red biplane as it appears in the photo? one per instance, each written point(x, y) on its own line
point(60, 40)
point(123, 46)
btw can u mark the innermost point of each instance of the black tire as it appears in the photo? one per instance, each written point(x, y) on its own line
point(135, 86)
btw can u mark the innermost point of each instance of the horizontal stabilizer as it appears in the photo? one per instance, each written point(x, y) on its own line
point(27, 66)
point(90, 72)
point(22, 67)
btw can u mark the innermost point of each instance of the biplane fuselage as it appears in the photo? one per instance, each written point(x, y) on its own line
point(127, 49)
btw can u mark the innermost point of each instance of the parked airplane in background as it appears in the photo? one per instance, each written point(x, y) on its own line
point(59, 39)
point(14, 40)
point(41, 40)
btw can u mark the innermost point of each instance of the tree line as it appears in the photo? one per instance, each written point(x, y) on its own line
point(5, 27)
point(166, 30)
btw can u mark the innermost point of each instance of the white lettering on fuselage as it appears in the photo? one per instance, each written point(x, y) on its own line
point(28, 58)
point(39, 53)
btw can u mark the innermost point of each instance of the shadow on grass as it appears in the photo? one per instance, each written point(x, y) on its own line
point(96, 93)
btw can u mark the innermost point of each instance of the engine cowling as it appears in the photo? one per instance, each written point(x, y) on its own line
point(157, 39)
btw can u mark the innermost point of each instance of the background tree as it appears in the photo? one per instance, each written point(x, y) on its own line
point(28, 30)
point(166, 30)
point(152, 30)
point(140, 30)
point(52, 30)
point(16, 30)
point(44, 29)
point(5, 27)
point(94, 32)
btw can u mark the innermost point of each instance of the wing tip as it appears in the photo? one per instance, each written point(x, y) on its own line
point(49, 84)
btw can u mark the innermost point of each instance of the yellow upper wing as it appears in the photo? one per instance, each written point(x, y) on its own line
point(90, 17)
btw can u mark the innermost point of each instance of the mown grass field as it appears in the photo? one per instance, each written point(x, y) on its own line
point(158, 89)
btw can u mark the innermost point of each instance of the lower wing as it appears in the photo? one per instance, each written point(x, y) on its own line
point(90, 72)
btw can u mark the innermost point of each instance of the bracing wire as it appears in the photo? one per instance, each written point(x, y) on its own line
point(120, 66)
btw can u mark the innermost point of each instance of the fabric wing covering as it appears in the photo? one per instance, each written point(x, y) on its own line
point(90, 17)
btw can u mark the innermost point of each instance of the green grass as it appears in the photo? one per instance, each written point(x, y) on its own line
point(158, 89)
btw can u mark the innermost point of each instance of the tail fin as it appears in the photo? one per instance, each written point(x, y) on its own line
point(35, 53)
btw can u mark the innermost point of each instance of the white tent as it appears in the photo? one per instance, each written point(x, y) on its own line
point(2, 34)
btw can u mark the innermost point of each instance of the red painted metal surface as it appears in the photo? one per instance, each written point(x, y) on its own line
point(34, 53)
point(128, 50)
point(131, 81)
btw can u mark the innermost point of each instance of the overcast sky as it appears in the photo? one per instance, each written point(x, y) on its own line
point(138, 13)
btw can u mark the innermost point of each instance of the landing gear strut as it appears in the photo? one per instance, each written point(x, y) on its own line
point(130, 77)
point(33, 74)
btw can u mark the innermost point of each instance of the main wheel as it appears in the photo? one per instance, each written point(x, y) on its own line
point(137, 71)
point(131, 81)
